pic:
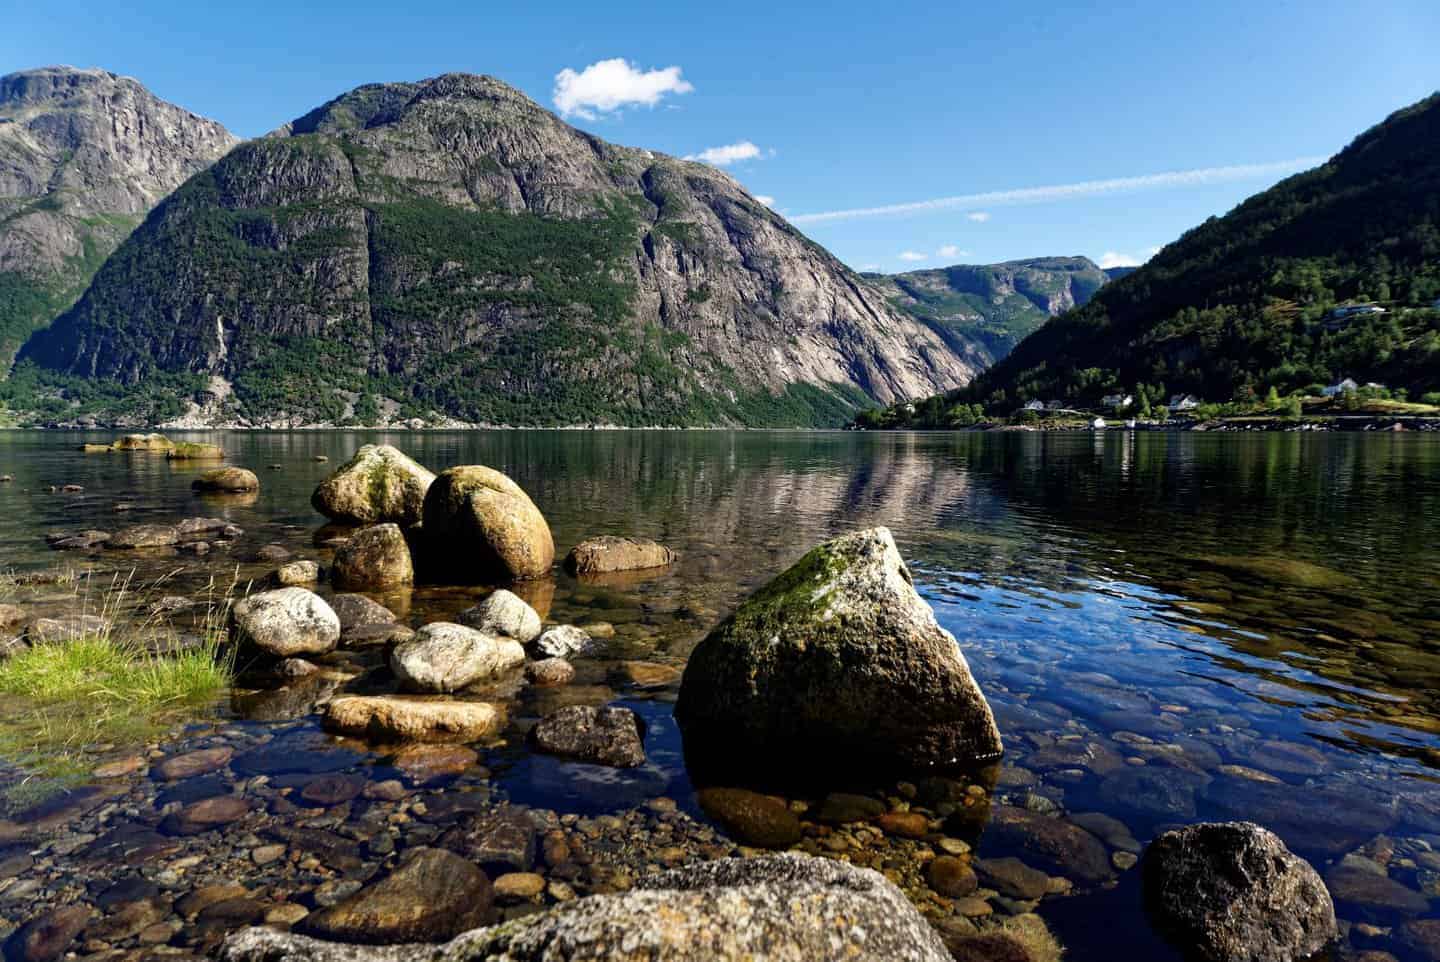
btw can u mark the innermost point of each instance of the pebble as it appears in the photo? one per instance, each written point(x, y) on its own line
point(519, 886)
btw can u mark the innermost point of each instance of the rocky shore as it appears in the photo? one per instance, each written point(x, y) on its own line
point(500, 781)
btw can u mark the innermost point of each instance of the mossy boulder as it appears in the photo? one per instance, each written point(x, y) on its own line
point(227, 481)
point(487, 526)
point(141, 442)
point(194, 451)
point(375, 557)
point(836, 661)
point(380, 483)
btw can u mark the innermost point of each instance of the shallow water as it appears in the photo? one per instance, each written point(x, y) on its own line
point(1170, 627)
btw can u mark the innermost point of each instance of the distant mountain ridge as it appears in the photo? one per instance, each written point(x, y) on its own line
point(449, 249)
point(1243, 303)
point(84, 155)
point(995, 305)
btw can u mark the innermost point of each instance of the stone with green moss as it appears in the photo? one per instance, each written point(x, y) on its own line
point(379, 484)
point(195, 451)
point(837, 661)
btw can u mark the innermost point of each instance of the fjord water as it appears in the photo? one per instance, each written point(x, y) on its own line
point(1170, 626)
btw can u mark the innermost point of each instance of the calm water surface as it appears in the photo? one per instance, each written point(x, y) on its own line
point(1171, 627)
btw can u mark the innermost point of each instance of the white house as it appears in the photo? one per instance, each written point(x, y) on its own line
point(1341, 387)
point(1098, 424)
point(1035, 405)
point(1117, 401)
point(1184, 402)
point(1354, 310)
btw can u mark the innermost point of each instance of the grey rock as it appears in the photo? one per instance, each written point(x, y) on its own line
point(689, 915)
point(55, 631)
point(837, 658)
point(433, 895)
point(286, 623)
point(445, 657)
point(562, 641)
point(504, 613)
point(1232, 892)
point(355, 610)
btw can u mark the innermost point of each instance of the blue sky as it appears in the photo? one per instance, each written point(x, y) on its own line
point(848, 106)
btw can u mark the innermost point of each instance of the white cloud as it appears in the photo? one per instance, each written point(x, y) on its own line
point(728, 154)
point(765, 199)
point(912, 256)
point(951, 250)
point(1111, 259)
point(609, 85)
point(1087, 188)
point(978, 216)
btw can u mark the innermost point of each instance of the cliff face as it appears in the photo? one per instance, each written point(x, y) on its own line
point(451, 248)
point(995, 305)
point(84, 155)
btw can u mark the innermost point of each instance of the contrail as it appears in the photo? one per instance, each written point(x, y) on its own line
point(1087, 188)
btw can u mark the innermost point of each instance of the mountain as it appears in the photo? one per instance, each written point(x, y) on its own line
point(450, 250)
point(995, 305)
point(1244, 302)
point(84, 155)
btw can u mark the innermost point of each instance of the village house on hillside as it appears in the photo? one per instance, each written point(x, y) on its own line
point(1035, 405)
point(1117, 401)
point(1184, 402)
point(1338, 317)
point(1341, 387)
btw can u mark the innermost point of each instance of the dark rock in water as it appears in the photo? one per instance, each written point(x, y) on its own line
point(355, 610)
point(433, 895)
point(375, 636)
point(194, 789)
point(1058, 846)
point(77, 540)
point(424, 763)
point(751, 818)
point(1162, 793)
point(190, 764)
point(838, 660)
point(144, 536)
point(1012, 877)
point(206, 814)
point(605, 736)
point(842, 808)
point(328, 790)
point(1319, 820)
point(46, 937)
point(1421, 938)
point(503, 841)
point(295, 754)
point(1232, 892)
point(950, 876)
point(599, 555)
point(688, 915)
point(1371, 896)
point(989, 947)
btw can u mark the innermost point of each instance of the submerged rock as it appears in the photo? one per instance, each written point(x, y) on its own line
point(195, 451)
point(837, 659)
point(504, 613)
point(487, 526)
point(286, 622)
point(380, 483)
point(66, 628)
point(605, 736)
point(145, 536)
point(375, 557)
point(47, 937)
point(1232, 892)
point(443, 657)
point(751, 818)
point(601, 555)
point(227, 481)
point(794, 909)
point(1054, 844)
point(433, 895)
point(400, 718)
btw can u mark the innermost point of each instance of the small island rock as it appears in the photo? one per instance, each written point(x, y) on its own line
point(227, 481)
point(605, 554)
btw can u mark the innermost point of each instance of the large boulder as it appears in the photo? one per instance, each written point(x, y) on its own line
point(487, 526)
point(395, 718)
point(286, 623)
point(378, 484)
point(375, 557)
point(444, 657)
point(783, 908)
point(433, 895)
point(605, 554)
point(837, 660)
point(195, 451)
point(1232, 892)
point(504, 613)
